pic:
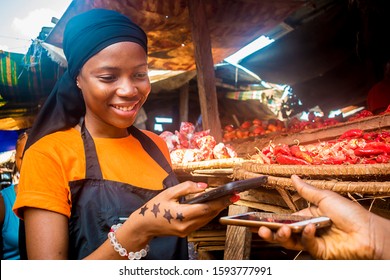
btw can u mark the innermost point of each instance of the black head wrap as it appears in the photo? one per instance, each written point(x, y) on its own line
point(84, 36)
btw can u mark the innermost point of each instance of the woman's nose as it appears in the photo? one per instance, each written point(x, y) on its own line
point(126, 87)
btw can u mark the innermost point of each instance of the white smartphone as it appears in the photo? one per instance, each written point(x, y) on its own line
point(274, 221)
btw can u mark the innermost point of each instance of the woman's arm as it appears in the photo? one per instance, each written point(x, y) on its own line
point(47, 231)
point(47, 237)
point(46, 234)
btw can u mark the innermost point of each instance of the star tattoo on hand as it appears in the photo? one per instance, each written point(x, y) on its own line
point(179, 216)
point(168, 215)
point(155, 209)
point(143, 210)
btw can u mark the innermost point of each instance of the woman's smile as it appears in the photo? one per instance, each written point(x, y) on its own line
point(123, 108)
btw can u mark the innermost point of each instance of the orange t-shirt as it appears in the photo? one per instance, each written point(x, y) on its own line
point(54, 160)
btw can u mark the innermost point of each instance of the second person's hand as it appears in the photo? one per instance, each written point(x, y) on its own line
point(349, 237)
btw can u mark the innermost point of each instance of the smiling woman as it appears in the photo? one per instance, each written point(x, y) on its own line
point(92, 185)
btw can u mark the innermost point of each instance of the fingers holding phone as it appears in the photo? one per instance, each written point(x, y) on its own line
point(164, 215)
point(346, 238)
point(330, 204)
point(282, 236)
point(231, 188)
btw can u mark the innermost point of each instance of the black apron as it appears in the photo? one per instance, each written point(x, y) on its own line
point(97, 204)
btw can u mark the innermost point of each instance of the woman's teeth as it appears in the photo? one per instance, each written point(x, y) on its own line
point(125, 109)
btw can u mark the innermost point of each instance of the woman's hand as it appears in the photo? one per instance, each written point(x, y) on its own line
point(164, 215)
point(355, 233)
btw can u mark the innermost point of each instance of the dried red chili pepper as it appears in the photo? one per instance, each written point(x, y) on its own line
point(352, 160)
point(282, 149)
point(378, 145)
point(297, 152)
point(266, 151)
point(369, 161)
point(382, 159)
point(290, 160)
point(384, 136)
point(352, 133)
point(333, 161)
point(386, 111)
point(365, 113)
point(370, 136)
point(363, 152)
point(316, 161)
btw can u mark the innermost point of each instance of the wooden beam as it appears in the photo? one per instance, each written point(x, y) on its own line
point(184, 97)
point(238, 239)
point(205, 69)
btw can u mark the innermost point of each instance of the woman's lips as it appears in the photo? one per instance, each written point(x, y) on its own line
point(123, 108)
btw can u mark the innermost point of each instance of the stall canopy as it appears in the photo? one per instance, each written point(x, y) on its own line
point(330, 53)
point(232, 24)
point(333, 55)
point(29, 77)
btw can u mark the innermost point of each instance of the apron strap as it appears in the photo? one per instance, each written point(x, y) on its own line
point(92, 166)
point(152, 149)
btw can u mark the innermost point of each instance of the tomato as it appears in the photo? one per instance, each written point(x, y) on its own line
point(229, 128)
point(257, 122)
point(246, 125)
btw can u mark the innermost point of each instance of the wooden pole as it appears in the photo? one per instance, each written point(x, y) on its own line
point(184, 97)
point(205, 69)
point(238, 239)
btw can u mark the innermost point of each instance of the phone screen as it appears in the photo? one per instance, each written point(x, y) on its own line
point(274, 221)
point(229, 188)
point(272, 218)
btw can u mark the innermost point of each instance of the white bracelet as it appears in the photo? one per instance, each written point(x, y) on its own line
point(122, 251)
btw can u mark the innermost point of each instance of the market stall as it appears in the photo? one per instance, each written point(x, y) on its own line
point(350, 158)
point(200, 41)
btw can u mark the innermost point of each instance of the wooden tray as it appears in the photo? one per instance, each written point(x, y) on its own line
point(352, 172)
point(343, 187)
point(208, 164)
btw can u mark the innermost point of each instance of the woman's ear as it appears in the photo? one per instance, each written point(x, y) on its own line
point(77, 82)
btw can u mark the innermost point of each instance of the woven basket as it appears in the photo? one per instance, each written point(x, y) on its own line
point(208, 164)
point(352, 172)
point(343, 187)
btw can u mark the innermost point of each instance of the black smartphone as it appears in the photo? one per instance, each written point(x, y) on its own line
point(274, 221)
point(229, 188)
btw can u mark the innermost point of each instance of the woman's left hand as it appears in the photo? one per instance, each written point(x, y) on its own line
point(165, 215)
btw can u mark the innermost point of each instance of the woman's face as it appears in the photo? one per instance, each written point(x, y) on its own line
point(114, 84)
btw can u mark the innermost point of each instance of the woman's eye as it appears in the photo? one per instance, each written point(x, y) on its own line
point(107, 78)
point(142, 75)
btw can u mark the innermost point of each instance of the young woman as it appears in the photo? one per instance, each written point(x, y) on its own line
point(93, 186)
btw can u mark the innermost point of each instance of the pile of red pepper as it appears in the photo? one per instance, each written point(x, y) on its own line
point(353, 147)
point(361, 115)
point(366, 113)
point(296, 125)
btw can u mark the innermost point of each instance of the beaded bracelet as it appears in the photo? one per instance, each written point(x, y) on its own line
point(122, 251)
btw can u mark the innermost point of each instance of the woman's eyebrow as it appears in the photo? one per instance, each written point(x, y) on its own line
point(108, 67)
